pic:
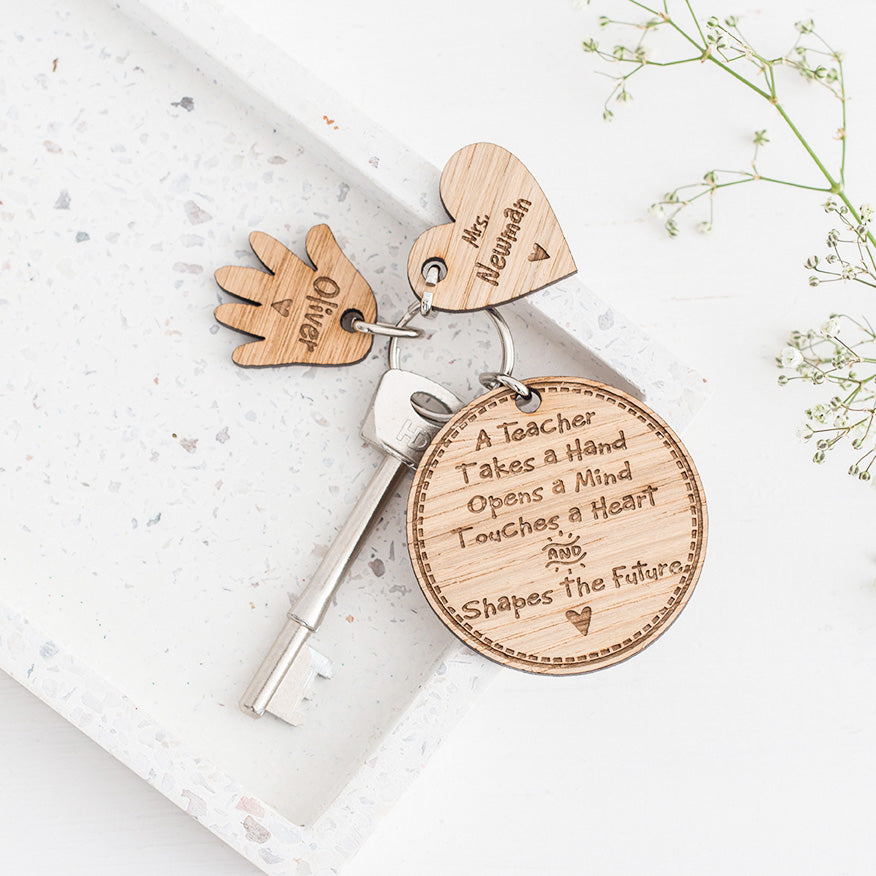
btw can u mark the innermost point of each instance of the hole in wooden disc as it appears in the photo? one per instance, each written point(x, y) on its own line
point(529, 404)
point(348, 317)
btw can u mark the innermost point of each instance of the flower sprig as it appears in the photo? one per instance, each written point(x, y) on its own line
point(852, 237)
point(672, 203)
point(848, 365)
point(722, 43)
point(821, 357)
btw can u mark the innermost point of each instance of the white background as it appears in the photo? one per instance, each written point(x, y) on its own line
point(744, 739)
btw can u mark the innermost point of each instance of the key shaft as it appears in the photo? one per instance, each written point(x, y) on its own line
point(309, 610)
point(396, 427)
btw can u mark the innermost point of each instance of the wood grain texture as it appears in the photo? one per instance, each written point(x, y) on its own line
point(505, 241)
point(559, 541)
point(297, 309)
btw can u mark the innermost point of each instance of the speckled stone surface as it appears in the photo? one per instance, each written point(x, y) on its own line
point(162, 505)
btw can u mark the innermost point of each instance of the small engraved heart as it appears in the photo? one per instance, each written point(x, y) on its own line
point(504, 242)
point(581, 619)
point(283, 307)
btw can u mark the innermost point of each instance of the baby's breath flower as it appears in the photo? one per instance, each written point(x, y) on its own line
point(790, 357)
point(671, 227)
point(656, 210)
point(804, 432)
point(704, 227)
point(850, 412)
point(830, 328)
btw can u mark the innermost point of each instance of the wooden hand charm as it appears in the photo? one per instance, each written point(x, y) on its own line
point(298, 309)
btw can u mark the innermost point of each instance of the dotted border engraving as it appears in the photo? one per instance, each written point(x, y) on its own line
point(587, 661)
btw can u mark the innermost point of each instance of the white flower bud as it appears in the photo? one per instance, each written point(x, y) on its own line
point(791, 357)
point(830, 328)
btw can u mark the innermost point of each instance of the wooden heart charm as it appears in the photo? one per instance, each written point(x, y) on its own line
point(505, 241)
point(298, 309)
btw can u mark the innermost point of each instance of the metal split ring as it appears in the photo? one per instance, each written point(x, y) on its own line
point(433, 276)
point(384, 328)
point(506, 339)
point(494, 379)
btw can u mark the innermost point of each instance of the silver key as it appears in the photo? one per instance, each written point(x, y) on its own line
point(394, 426)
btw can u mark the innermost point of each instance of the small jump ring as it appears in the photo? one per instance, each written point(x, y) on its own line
point(505, 338)
point(432, 276)
point(493, 379)
point(386, 329)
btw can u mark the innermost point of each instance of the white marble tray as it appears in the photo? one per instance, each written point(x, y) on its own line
point(161, 504)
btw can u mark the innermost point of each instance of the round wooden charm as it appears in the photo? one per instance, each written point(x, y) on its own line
point(558, 541)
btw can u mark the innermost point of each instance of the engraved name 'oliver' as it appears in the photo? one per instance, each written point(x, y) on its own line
point(319, 307)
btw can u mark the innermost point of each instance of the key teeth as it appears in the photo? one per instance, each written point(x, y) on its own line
point(297, 686)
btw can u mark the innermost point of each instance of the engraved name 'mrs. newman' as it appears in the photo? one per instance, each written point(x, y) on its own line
point(491, 272)
point(319, 307)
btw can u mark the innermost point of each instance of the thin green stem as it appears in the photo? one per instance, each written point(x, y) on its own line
point(707, 55)
point(648, 8)
point(836, 188)
point(695, 20)
point(785, 182)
